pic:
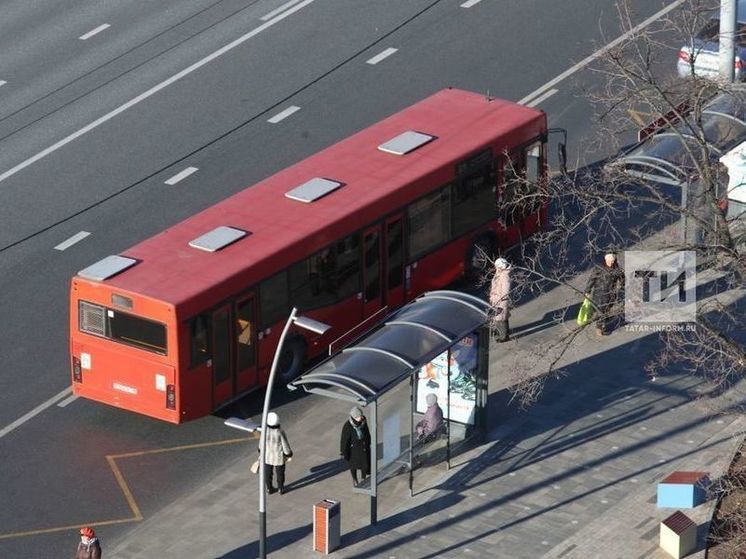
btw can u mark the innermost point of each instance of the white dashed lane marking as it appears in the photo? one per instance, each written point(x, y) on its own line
point(93, 32)
point(385, 54)
point(64, 245)
point(284, 114)
point(181, 176)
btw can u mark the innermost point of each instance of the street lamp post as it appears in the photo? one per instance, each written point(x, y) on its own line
point(307, 324)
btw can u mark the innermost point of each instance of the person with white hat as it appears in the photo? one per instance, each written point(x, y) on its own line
point(603, 290)
point(278, 452)
point(500, 299)
point(354, 444)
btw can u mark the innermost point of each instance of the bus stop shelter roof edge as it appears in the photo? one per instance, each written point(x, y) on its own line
point(405, 341)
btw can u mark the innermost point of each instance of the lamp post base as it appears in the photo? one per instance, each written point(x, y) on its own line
point(262, 535)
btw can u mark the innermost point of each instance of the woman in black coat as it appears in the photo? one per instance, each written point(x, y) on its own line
point(354, 445)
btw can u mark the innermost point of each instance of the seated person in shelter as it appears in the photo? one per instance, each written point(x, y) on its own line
point(432, 421)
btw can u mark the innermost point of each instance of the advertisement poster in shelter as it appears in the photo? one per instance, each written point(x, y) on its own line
point(433, 378)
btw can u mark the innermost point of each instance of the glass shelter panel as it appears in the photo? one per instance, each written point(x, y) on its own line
point(449, 397)
point(393, 437)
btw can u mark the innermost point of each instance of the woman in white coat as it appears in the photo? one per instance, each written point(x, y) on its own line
point(277, 453)
point(500, 299)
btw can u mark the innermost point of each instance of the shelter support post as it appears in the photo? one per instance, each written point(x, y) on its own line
point(412, 388)
point(374, 463)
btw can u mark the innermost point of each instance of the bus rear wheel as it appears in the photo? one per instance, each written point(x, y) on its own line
point(291, 360)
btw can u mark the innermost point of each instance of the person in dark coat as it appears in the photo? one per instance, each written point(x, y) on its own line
point(354, 444)
point(88, 547)
point(603, 290)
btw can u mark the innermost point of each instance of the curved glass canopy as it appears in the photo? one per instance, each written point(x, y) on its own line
point(407, 340)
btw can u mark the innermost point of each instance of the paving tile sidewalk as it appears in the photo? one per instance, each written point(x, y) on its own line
point(574, 476)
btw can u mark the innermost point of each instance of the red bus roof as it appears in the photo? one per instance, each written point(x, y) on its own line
point(282, 230)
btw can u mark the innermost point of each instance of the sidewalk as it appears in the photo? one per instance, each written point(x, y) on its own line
point(573, 476)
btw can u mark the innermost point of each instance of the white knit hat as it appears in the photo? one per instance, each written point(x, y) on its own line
point(273, 420)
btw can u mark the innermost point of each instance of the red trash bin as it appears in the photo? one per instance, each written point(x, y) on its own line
point(326, 525)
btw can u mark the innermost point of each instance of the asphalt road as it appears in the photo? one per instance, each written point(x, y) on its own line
point(101, 103)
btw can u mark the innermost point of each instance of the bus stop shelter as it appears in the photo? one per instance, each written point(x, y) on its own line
point(671, 155)
point(437, 344)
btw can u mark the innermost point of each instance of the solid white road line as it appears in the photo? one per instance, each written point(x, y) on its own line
point(93, 32)
point(546, 95)
point(34, 412)
point(153, 90)
point(470, 3)
point(276, 11)
point(385, 54)
point(68, 400)
point(283, 114)
point(64, 245)
point(181, 176)
point(599, 53)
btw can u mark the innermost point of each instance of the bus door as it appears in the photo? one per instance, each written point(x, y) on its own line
point(245, 344)
point(223, 377)
point(535, 172)
point(394, 261)
point(372, 271)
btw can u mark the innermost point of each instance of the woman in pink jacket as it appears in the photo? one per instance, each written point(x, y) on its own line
point(500, 299)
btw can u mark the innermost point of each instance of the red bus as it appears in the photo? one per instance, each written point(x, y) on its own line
point(188, 320)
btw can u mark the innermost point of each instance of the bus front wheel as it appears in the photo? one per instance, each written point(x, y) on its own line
point(291, 360)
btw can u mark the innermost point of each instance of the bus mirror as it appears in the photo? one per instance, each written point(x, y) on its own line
point(561, 148)
point(562, 156)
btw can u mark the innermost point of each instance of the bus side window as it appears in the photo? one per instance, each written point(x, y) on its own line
point(348, 275)
point(429, 222)
point(322, 273)
point(312, 281)
point(199, 342)
point(273, 300)
point(472, 201)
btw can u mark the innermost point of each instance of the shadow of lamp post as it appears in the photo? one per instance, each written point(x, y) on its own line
point(237, 423)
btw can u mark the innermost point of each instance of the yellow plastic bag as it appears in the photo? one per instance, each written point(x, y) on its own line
point(585, 313)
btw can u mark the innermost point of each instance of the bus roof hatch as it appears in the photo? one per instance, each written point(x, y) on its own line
point(406, 142)
point(107, 267)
